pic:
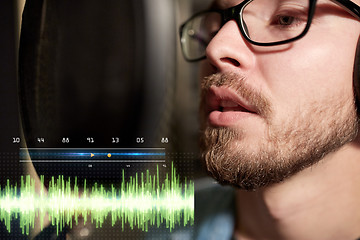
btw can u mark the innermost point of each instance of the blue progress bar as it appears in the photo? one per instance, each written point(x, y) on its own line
point(78, 154)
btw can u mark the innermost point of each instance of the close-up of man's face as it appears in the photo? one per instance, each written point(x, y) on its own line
point(184, 119)
point(268, 112)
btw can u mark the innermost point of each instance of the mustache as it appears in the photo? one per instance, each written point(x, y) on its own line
point(238, 83)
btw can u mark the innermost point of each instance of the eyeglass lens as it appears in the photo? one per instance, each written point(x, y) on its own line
point(263, 21)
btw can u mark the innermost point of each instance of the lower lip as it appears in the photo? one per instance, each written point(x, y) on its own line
point(230, 118)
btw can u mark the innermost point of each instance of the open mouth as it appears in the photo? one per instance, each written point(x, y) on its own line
point(230, 106)
point(225, 107)
point(226, 100)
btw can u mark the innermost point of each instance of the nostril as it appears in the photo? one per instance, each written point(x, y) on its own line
point(231, 61)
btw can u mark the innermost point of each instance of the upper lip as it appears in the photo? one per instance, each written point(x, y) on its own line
point(219, 97)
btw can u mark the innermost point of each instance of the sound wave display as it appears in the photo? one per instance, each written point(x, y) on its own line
point(141, 201)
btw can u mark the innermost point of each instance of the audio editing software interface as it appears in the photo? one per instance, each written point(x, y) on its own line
point(94, 135)
point(135, 192)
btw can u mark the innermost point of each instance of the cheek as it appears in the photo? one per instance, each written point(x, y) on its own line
point(299, 77)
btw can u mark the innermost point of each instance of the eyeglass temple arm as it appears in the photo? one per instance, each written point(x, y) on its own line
point(350, 7)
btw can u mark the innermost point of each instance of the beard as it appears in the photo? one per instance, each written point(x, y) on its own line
point(286, 147)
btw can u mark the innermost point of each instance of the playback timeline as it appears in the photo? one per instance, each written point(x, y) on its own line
point(74, 155)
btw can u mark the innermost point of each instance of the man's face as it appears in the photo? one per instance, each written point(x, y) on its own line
point(269, 112)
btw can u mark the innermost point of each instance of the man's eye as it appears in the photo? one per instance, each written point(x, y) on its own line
point(285, 20)
point(288, 21)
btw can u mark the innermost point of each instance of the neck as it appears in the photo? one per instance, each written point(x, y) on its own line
point(320, 202)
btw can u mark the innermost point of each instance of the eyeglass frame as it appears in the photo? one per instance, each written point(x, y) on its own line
point(236, 13)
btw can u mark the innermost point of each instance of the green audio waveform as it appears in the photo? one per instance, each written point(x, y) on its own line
point(141, 201)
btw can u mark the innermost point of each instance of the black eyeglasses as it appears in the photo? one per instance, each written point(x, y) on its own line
point(261, 22)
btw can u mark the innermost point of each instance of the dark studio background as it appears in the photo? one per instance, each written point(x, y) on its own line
point(80, 92)
point(9, 112)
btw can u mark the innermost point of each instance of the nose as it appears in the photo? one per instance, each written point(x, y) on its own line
point(228, 51)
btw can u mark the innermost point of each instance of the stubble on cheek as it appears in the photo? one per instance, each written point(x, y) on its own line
point(288, 146)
